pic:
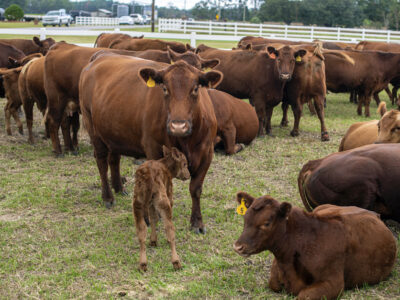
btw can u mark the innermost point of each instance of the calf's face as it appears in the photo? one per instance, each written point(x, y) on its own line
point(264, 219)
point(285, 60)
point(389, 128)
point(44, 45)
point(179, 162)
point(180, 85)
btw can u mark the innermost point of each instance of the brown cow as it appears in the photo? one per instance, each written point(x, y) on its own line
point(31, 90)
point(257, 75)
point(153, 196)
point(308, 82)
point(317, 255)
point(30, 46)
point(357, 177)
point(175, 111)
point(105, 39)
point(8, 56)
point(365, 133)
point(147, 44)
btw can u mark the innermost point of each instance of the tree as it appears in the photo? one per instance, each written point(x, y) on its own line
point(14, 12)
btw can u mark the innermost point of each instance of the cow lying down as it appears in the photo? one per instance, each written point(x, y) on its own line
point(317, 254)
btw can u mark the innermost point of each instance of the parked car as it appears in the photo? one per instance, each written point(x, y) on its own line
point(57, 17)
point(147, 19)
point(125, 20)
point(137, 19)
point(1, 14)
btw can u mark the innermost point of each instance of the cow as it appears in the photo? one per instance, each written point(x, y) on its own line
point(365, 133)
point(153, 196)
point(170, 107)
point(8, 51)
point(308, 82)
point(148, 44)
point(257, 75)
point(319, 254)
point(30, 46)
point(365, 177)
point(31, 90)
point(105, 39)
point(366, 72)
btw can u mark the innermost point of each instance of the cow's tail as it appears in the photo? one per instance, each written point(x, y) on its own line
point(95, 43)
point(381, 108)
point(302, 183)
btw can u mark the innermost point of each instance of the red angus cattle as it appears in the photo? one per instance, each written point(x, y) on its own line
point(317, 255)
point(105, 39)
point(173, 110)
point(148, 44)
point(30, 46)
point(366, 177)
point(8, 55)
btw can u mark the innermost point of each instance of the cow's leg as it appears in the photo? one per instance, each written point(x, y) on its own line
point(28, 110)
point(54, 119)
point(275, 281)
point(319, 107)
point(229, 137)
point(66, 132)
point(311, 107)
point(376, 98)
point(116, 181)
point(141, 230)
point(261, 112)
point(268, 117)
point(14, 113)
point(328, 289)
point(153, 223)
point(101, 155)
point(389, 93)
point(165, 210)
point(361, 99)
point(367, 100)
point(297, 109)
point(394, 94)
point(284, 121)
point(7, 114)
point(353, 96)
point(195, 189)
point(75, 128)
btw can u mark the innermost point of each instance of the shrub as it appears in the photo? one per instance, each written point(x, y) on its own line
point(14, 12)
point(255, 20)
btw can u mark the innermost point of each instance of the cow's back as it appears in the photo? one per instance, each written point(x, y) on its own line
point(359, 134)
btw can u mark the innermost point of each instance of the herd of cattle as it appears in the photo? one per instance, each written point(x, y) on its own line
point(152, 98)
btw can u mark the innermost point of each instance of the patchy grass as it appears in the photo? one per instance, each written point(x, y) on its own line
point(6, 24)
point(59, 241)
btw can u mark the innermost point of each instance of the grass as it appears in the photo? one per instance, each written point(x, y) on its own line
point(6, 24)
point(59, 241)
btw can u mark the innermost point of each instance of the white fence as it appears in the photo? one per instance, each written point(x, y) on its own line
point(287, 32)
point(89, 21)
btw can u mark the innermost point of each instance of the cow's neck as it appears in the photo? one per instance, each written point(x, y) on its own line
point(390, 65)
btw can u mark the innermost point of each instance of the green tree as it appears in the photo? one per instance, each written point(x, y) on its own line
point(278, 11)
point(14, 12)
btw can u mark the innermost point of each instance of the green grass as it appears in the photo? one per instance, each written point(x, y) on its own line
point(6, 24)
point(58, 241)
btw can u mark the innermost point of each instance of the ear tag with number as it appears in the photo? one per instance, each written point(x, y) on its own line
point(172, 62)
point(272, 55)
point(151, 82)
point(298, 58)
point(241, 209)
point(208, 69)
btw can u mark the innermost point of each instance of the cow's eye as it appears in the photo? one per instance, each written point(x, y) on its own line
point(165, 90)
point(195, 90)
point(267, 224)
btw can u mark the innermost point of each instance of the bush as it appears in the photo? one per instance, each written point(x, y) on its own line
point(255, 20)
point(14, 12)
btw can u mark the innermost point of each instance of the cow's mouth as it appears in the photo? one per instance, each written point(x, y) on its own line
point(179, 128)
point(239, 249)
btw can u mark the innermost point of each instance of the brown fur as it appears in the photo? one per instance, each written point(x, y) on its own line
point(317, 255)
point(355, 177)
point(147, 44)
point(176, 112)
point(105, 39)
point(30, 46)
point(153, 197)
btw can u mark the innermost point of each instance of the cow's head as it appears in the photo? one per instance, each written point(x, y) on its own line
point(44, 45)
point(389, 128)
point(264, 220)
point(192, 59)
point(285, 60)
point(180, 85)
point(176, 163)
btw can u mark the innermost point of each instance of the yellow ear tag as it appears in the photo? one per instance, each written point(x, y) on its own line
point(172, 62)
point(151, 82)
point(298, 58)
point(241, 209)
point(208, 69)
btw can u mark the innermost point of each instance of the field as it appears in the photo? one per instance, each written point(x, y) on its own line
point(57, 240)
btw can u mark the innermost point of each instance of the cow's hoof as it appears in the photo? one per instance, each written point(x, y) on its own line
point(294, 133)
point(239, 147)
point(58, 155)
point(199, 230)
point(124, 193)
point(153, 243)
point(143, 267)
point(31, 142)
point(109, 204)
point(325, 136)
point(284, 123)
point(177, 265)
point(74, 152)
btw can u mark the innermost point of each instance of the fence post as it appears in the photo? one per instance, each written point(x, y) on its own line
point(184, 27)
point(260, 33)
point(312, 33)
point(43, 33)
point(388, 36)
point(210, 29)
point(193, 39)
point(338, 33)
point(286, 31)
point(363, 34)
point(235, 29)
point(116, 29)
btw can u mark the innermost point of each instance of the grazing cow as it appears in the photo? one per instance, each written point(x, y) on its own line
point(30, 46)
point(153, 197)
point(366, 133)
point(10, 82)
point(174, 109)
point(105, 39)
point(31, 90)
point(365, 177)
point(308, 82)
point(148, 44)
point(257, 75)
point(366, 72)
point(317, 255)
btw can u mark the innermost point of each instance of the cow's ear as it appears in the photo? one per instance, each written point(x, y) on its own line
point(190, 48)
point(150, 76)
point(208, 63)
point(166, 151)
point(248, 199)
point(300, 53)
point(284, 209)
point(172, 55)
point(14, 62)
point(37, 41)
point(210, 79)
point(249, 46)
point(273, 53)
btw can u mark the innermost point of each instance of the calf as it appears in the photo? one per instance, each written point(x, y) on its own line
point(317, 255)
point(153, 197)
point(366, 177)
point(30, 46)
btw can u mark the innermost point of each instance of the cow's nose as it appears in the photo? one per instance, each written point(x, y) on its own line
point(237, 248)
point(284, 76)
point(179, 127)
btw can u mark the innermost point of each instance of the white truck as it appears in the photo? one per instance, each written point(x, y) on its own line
point(56, 17)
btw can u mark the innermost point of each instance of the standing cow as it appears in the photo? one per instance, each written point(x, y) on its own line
point(170, 106)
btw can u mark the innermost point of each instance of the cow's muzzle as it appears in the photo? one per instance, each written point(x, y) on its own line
point(239, 249)
point(179, 128)
point(285, 76)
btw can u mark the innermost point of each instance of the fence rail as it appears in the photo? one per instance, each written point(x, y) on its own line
point(89, 21)
point(287, 32)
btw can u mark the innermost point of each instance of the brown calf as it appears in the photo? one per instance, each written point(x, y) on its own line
point(317, 255)
point(153, 196)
